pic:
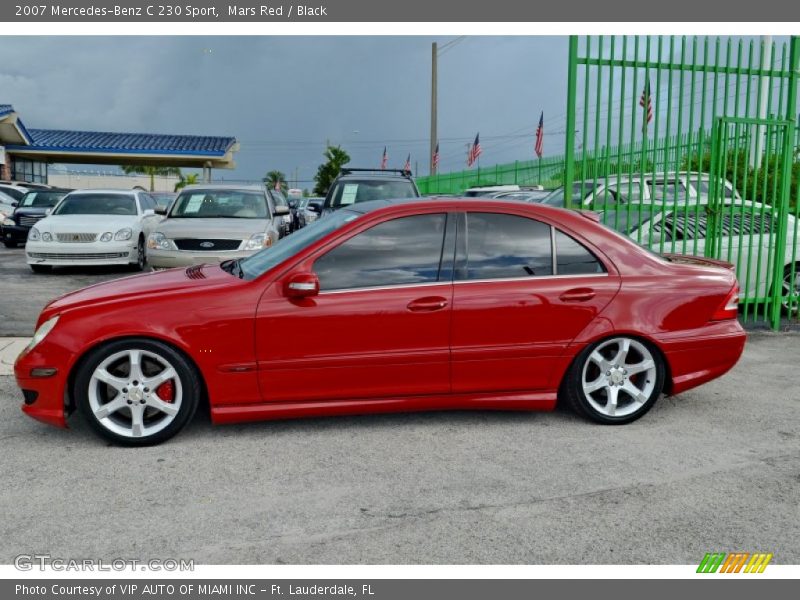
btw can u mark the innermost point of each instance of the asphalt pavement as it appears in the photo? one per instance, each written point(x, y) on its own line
point(715, 469)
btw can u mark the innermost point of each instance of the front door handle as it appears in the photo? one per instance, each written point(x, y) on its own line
point(427, 304)
point(577, 295)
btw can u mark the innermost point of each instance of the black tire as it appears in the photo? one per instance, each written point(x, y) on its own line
point(572, 390)
point(189, 384)
point(141, 257)
point(10, 244)
point(41, 268)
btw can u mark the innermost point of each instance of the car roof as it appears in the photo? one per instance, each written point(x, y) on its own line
point(458, 203)
point(106, 191)
point(225, 186)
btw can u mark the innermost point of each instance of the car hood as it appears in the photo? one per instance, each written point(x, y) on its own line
point(141, 286)
point(237, 229)
point(86, 223)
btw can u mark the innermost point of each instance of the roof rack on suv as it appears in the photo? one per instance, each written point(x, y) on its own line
point(347, 171)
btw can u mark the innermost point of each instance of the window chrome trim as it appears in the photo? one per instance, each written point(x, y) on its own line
point(384, 287)
point(460, 281)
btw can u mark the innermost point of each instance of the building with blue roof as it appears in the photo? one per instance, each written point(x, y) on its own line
point(25, 153)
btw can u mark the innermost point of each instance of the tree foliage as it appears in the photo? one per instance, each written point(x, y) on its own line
point(151, 171)
point(335, 159)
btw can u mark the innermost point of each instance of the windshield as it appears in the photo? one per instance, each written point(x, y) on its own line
point(351, 191)
point(96, 204)
point(626, 222)
point(42, 199)
point(261, 262)
point(556, 197)
point(220, 204)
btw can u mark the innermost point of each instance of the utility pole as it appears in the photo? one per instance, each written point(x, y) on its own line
point(434, 108)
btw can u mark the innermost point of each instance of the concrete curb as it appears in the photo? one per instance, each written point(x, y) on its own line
point(10, 348)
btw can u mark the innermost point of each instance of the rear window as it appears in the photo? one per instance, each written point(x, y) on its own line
point(352, 191)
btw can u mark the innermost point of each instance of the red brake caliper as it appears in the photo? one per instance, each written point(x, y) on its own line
point(166, 391)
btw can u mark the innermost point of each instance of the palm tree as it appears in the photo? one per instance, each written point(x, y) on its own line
point(275, 178)
point(152, 171)
point(185, 180)
point(335, 159)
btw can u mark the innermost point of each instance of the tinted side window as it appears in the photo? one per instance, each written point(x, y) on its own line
point(401, 251)
point(573, 258)
point(500, 246)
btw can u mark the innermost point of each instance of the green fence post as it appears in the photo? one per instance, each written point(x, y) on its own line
point(569, 142)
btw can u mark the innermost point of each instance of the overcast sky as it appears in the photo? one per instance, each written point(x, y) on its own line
point(283, 97)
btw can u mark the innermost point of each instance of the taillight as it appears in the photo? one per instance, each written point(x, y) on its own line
point(729, 309)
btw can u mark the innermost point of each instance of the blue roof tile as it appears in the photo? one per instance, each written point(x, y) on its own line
point(6, 108)
point(102, 141)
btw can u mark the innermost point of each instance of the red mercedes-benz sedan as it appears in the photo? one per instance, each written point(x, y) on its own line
point(390, 306)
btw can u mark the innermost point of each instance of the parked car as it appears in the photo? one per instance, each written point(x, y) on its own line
point(312, 208)
point(353, 186)
point(214, 223)
point(661, 188)
point(298, 214)
point(279, 200)
point(524, 195)
point(390, 306)
point(93, 227)
point(490, 191)
point(26, 184)
point(163, 199)
point(747, 234)
point(33, 207)
point(14, 190)
point(7, 205)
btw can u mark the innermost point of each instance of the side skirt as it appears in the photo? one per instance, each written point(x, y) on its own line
point(293, 410)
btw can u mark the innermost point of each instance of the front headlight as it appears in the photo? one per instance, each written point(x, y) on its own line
point(9, 222)
point(106, 237)
point(158, 241)
point(34, 235)
point(42, 332)
point(256, 242)
point(123, 234)
point(47, 237)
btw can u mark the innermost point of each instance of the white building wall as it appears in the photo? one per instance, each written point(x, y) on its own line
point(96, 181)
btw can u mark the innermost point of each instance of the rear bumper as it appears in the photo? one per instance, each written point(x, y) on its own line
point(696, 357)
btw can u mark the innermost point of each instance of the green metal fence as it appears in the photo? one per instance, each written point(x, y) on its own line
point(712, 171)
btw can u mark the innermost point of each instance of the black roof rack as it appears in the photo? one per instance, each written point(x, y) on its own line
point(404, 172)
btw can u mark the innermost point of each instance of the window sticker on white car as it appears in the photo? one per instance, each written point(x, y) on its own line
point(349, 193)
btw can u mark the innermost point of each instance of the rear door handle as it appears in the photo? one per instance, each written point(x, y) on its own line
point(427, 304)
point(577, 295)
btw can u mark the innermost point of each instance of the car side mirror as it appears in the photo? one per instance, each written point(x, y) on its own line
point(148, 212)
point(301, 285)
point(14, 204)
point(48, 211)
point(160, 210)
point(281, 210)
point(314, 208)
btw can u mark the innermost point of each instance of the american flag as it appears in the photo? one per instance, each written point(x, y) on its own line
point(435, 159)
point(407, 166)
point(474, 151)
point(384, 159)
point(646, 102)
point(539, 148)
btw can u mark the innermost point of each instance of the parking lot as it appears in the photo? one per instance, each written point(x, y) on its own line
point(715, 469)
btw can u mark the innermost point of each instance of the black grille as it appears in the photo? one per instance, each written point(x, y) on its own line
point(207, 245)
point(26, 221)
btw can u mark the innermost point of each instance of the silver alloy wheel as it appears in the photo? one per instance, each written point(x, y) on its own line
point(123, 393)
point(618, 377)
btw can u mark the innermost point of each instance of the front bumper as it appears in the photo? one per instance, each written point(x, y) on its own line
point(166, 259)
point(45, 397)
point(90, 254)
point(14, 233)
